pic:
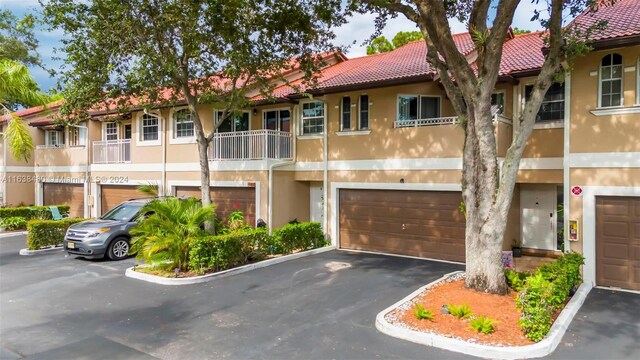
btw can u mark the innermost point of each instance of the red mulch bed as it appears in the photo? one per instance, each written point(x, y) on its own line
point(500, 308)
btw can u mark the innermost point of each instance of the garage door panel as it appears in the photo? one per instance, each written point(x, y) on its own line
point(416, 223)
point(618, 242)
point(65, 194)
point(113, 195)
point(227, 200)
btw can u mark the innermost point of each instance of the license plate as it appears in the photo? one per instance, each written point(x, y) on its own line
point(71, 245)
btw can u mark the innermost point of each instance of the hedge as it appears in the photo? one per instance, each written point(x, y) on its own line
point(48, 232)
point(13, 223)
point(545, 292)
point(220, 252)
point(302, 236)
point(31, 212)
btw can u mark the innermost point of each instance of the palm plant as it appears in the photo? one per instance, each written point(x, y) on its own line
point(17, 86)
point(164, 238)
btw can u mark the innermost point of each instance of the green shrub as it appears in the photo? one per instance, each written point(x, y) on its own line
point(483, 324)
point(48, 232)
point(13, 223)
point(461, 311)
point(545, 292)
point(302, 236)
point(220, 252)
point(421, 313)
point(31, 212)
point(515, 279)
point(164, 238)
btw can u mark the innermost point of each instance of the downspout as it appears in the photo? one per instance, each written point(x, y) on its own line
point(325, 176)
point(4, 169)
point(566, 162)
point(277, 165)
point(86, 169)
point(163, 180)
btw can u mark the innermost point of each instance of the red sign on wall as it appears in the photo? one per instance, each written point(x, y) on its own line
point(576, 190)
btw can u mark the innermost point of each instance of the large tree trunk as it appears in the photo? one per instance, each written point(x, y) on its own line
point(485, 222)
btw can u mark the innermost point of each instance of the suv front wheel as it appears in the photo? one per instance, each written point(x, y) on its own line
point(118, 249)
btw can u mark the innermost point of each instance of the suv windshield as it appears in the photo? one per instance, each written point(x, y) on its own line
point(123, 212)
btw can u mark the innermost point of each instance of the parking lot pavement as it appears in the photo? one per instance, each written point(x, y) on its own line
point(318, 307)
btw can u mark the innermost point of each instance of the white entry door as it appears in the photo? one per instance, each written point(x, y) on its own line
point(316, 203)
point(538, 216)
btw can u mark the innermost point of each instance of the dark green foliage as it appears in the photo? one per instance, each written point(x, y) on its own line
point(483, 324)
point(302, 236)
point(32, 212)
point(48, 232)
point(461, 311)
point(13, 223)
point(515, 279)
point(421, 313)
point(17, 38)
point(546, 292)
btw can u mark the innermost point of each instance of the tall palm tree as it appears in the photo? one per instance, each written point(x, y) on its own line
point(17, 86)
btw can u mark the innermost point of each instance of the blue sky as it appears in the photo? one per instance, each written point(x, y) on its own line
point(357, 30)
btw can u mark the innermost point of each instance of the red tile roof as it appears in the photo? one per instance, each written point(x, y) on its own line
point(623, 19)
point(25, 113)
point(522, 53)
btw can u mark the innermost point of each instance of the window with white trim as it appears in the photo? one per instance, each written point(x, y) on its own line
point(279, 120)
point(552, 107)
point(497, 103)
point(54, 138)
point(611, 73)
point(77, 135)
point(233, 123)
point(313, 118)
point(363, 117)
point(345, 114)
point(150, 128)
point(413, 107)
point(183, 124)
point(111, 131)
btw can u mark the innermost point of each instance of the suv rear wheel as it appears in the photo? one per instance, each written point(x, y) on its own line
point(118, 249)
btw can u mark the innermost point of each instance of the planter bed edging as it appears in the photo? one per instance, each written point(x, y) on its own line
point(542, 348)
point(27, 252)
point(210, 277)
point(13, 233)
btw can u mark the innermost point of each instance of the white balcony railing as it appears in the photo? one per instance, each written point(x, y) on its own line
point(251, 145)
point(112, 151)
point(426, 122)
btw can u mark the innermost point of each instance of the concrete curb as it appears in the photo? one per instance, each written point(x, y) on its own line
point(210, 277)
point(13, 233)
point(27, 252)
point(545, 347)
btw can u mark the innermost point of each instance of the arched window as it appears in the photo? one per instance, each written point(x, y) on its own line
point(611, 93)
point(183, 124)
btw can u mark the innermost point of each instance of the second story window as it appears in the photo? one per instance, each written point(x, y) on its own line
point(183, 124)
point(78, 135)
point(611, 81)
point(363, 118)
point(54, 138)
point(111, 131)
point(497, 103)
point(312, 118)
point(150, 128)
point(414, 107)
point(233, 123)
point(345, 114)
point(552, 108)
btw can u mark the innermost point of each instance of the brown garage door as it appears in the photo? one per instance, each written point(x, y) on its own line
point(618, 242)
point(416, 223)
point(65, 194)
point(112, 195)
point(227, 200)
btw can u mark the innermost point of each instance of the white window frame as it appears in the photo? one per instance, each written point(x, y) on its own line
point(105, 125)
point(419, 96)
point(342, 108)
point(264, 118)
point(173, 136)
point(621, 78)
point(215, 119)
point(504, 97)
point(59, 138)
point(368, 127)
point(82, 134)
point(302, 118)
point(139, 130)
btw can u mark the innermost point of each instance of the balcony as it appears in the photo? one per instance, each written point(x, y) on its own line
point(112, 151)
point(426, 122)
point(251, 145)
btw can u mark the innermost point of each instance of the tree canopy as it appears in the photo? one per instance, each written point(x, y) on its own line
point(17, 39)
point(381, 44)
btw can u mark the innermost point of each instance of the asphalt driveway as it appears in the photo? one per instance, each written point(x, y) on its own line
point(318, 307)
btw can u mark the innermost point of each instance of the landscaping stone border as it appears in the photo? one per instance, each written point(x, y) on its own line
point(27, 252)
point(210, 277)
point(545, 347)
point(13, 233)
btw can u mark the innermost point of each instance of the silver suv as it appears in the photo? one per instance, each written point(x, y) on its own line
point(107, 235)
